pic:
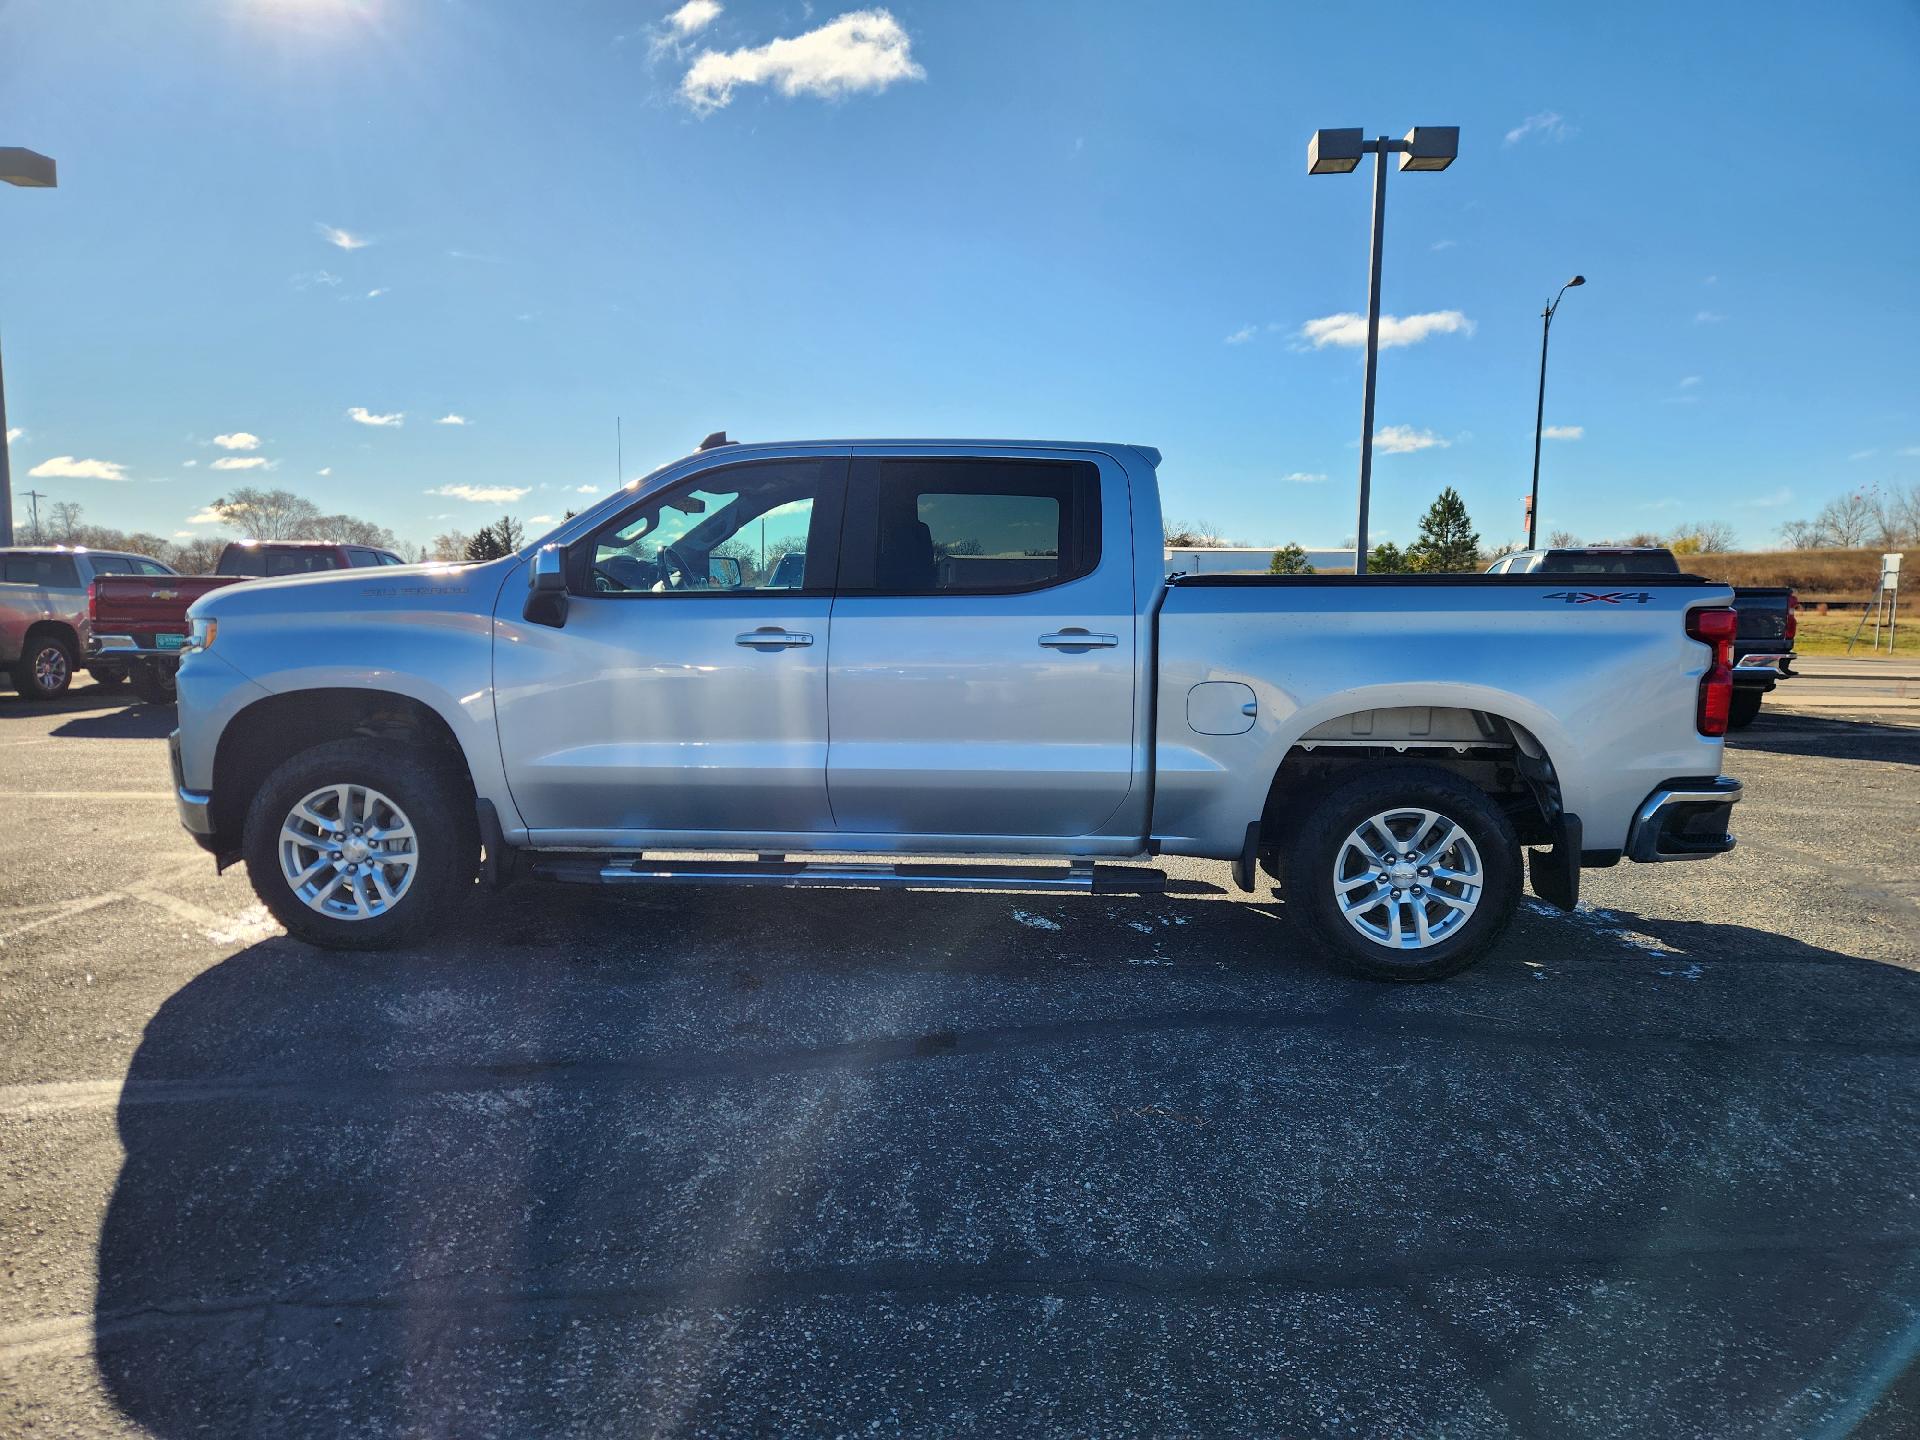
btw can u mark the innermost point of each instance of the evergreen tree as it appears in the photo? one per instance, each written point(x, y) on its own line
point(1290, 560)
point(1448, 542)
point(1386, 559)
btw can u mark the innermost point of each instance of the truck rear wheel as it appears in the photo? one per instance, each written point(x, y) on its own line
point(360, 844)
point(1407, 873)
point(1744, 708)
point(153, 682)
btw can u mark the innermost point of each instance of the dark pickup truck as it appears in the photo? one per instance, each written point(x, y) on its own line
point(1763, 648)
point(142, 622)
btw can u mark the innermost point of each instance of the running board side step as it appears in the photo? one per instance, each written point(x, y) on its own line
point(801, 874)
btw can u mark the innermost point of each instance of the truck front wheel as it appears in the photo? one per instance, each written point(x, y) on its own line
point(1407, 873)
point(361, 845)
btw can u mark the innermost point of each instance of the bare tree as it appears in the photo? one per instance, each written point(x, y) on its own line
point(267, 514)
point(1849, 521)
point(1193, 534)
point(351, 530)
point(64, 520)
point(1711, 537)
point(1562, 540)
point(450, 546)
point(1803, 535)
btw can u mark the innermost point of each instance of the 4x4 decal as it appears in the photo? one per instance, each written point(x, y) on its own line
point(1605, 597)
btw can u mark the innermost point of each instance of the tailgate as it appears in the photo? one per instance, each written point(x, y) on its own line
point(149, 604)
point(1763, 614)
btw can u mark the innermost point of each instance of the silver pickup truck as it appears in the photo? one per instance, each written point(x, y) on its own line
point(45, 630)
point(976, 654)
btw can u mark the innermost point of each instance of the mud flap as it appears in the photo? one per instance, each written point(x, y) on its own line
point(1245, 869)
point(1555, 873)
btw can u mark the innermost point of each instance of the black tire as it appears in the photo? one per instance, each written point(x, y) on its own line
point(153, 682)
point(44, 670)
point(107, 676)
point(1316, 851)
point(1744, 709)
point(437, 800)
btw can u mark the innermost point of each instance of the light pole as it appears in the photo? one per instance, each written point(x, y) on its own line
point(1338, 152)
point(1540, 408)
point(25, 168)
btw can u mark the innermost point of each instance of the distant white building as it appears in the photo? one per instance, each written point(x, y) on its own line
point(1246, 560)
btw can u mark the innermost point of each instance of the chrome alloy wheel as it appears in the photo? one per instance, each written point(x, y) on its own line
point(50, 668)
point(1407, 879)
point(348, 852)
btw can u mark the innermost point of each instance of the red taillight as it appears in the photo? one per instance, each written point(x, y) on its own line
point(1716, 628)
point(1793, 617)
point(93, 604)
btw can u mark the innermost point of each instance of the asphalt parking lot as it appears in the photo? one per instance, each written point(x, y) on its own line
point(722, 1162)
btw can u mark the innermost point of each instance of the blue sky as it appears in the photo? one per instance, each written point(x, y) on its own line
point(1059, 220)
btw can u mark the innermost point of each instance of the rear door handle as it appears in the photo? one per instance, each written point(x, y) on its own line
point(772, 637)
point(1074, 638)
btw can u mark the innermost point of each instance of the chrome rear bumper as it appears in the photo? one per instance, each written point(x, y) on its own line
point(1685, 820)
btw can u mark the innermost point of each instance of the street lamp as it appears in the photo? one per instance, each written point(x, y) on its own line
point(1540, 407)
point(33, 171)
point(1338, 152)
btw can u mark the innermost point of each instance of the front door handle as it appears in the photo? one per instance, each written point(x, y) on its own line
point(772, 637)
point(1074, 638)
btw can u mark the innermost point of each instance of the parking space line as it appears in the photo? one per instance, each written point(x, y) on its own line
point(95, 902)
point(86, 795)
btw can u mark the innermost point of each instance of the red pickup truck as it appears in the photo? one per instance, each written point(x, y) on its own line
point(143, 620)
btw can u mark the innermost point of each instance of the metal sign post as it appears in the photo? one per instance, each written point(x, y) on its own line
point(1886, 607)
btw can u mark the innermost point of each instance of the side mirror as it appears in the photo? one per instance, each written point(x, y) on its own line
point(723, 572)
point(547, 588)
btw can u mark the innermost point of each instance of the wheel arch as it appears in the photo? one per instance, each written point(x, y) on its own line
point(275, 728)
point(1489, 747)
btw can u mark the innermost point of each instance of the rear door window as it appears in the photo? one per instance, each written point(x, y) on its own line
point(50, 572)
point(966, 526)
point(299, 562)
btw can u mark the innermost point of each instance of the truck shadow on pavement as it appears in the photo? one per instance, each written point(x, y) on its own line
point(738, 1163)
point(1827, 738)
point(127, 722)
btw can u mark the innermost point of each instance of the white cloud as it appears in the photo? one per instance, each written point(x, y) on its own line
point(65, 467)
point(1909, 450)
point(693, 16)
point(1401, 439)
point(308, 279)
point(342, 239)
point(1242, 335)
point(451, 419)
point(482, 494)
point(1771, 501)
point(324, 470)
point(1564, 432)
point(1707, 317)
point(206, 517)
point(1687, 382)
point(586, 489)
point(239, 462)
point(183, 534)
point(378, 291)
point(1548, 125)
point(1863, 454)
point(14, 434)
point(1350, 329)
point(1303, 477)
point(861, 50)
point(540, 519)
point(188, 464)
point(238, 440)
point(1443, 244)
point(367, 417)
point(1711, 280)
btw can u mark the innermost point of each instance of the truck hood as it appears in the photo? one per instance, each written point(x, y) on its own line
point(343, 592)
